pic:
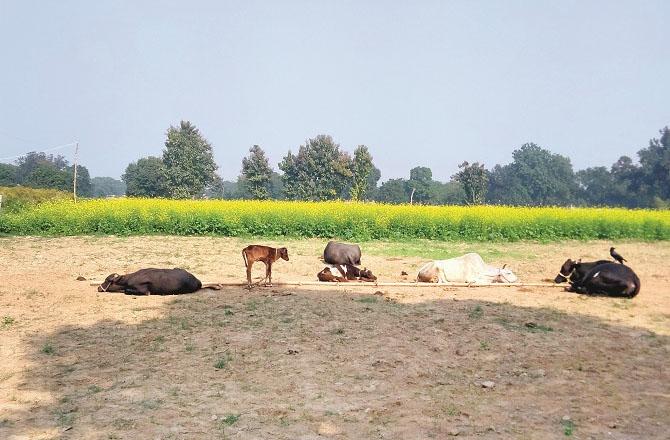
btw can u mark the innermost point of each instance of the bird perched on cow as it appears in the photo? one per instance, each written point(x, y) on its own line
point(617, 256)
point(154, 281)
point(267, 255)
point(599, 278)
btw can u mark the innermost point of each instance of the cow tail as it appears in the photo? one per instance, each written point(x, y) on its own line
point(244, 257)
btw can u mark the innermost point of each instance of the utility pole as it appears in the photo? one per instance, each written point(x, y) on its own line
point(74, 183)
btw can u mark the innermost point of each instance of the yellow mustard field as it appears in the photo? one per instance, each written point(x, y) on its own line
point(341, 219)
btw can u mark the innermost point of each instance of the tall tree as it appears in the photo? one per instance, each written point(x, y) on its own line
point(189, 163)
point(361, 170)
point(146, 178)
point(107, 186)
point(8, 174)
point(216, 189)
point(474, 180)
point(419, 184)
point(84, 186)
point(276, 186)
point(449, 193)
point(320, 171)
point(393, 191)
point(41, 170)
point(655, 167)
point(257, 174)
point(535, 177)
point(373, 178)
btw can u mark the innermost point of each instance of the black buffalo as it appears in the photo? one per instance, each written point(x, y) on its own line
point(608, 278)
point(575, 270)
point(342, 253)
point(153, 281)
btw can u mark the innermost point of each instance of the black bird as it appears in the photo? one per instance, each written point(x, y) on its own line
point(616, 256)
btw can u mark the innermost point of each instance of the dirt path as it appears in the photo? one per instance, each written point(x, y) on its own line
point(305, 363)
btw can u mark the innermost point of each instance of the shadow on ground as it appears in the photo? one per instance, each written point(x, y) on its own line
point(317, 364)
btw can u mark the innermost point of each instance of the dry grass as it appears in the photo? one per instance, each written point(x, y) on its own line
point(341, 363)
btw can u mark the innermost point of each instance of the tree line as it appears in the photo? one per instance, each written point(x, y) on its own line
point(322, 170)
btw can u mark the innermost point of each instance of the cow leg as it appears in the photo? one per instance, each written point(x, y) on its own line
point(268, 274)
point(249, 264)
point(142, 289)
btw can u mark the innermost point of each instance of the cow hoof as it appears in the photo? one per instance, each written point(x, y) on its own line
point(268, 285)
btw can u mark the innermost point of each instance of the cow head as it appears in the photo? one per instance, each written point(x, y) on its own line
point(566, 270)
point(283, 253)
point(505, 276)
point(367, 275)
point(112, 284)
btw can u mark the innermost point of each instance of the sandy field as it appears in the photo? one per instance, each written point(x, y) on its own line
point(344, 362)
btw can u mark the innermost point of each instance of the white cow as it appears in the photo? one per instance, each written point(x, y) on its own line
point(470, 268)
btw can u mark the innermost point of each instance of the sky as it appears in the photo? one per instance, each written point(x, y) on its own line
point(426, 83)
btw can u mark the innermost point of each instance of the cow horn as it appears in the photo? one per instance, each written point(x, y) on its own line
point(504, 265)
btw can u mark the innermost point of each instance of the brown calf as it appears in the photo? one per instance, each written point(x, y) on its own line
point(349, 272)
point(267, 255)
point(327, 276)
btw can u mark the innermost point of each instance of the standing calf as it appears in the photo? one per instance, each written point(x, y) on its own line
point(267, 255)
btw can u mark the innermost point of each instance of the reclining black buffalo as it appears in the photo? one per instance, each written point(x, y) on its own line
point(600, 278)
point(575, 270)
point(154, 281)
point(342, 253)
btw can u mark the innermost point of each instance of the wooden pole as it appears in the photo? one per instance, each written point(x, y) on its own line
point(74, 183)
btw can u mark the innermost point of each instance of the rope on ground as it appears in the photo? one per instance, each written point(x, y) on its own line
point(381, 284)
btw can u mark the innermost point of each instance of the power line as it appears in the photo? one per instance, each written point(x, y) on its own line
point(41, 150)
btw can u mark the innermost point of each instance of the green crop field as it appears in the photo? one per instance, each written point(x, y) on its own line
point(346, 220)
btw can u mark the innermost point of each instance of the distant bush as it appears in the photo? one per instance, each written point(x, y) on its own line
point(346, 220)
point(17, 198)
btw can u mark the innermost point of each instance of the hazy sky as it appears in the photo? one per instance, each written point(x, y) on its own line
point(419, 82)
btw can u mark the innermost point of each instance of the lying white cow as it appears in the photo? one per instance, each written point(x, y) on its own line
point(470, 268)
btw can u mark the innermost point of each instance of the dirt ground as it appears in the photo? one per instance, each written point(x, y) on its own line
point(354, 361)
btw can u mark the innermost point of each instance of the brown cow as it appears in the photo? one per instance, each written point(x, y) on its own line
point(349, 272)
point(267, 255)
point(327, 276)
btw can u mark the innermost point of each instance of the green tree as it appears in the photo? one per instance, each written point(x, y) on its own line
point(654, 171)
point(599, 186)
point(535, 177)
point(361, 170)
point(276, 186)
point(216, 189)
point(39, 170)
point(146, 178)
point(449, 193)
point(256, 174)
point(393, 191)
point(107, 186)
point(84, 186)
point(474, 180)
point(373, 178)
point(320, 171)
point(232, 190)
point(44, 175)
point(189, 162)
point(419, 184)
point(8, 174)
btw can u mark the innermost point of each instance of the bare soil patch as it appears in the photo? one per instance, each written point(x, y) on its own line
point(335, 362)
